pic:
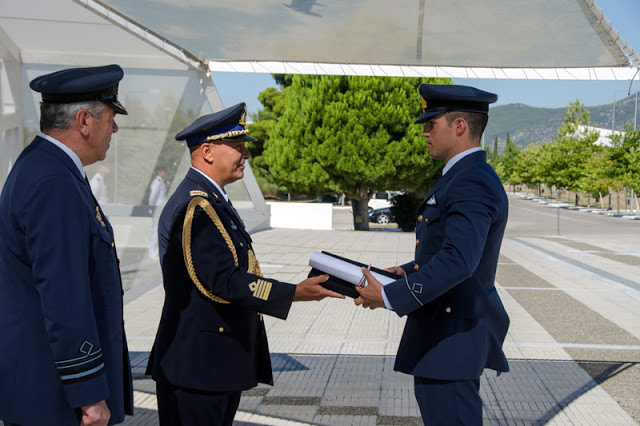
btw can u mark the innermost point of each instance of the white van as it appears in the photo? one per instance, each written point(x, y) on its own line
point(381, 200)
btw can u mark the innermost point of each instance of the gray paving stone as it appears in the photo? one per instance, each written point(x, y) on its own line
point(339, 359)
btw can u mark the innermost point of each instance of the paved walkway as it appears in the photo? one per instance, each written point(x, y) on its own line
point(573, 345)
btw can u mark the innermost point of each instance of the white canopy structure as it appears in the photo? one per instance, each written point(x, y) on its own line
point(506, 39)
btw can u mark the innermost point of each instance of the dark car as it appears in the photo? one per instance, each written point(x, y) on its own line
point(381, 216)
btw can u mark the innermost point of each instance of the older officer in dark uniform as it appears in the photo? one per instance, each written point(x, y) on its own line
point(63, 356)
point(456, 323)
point(211, 342)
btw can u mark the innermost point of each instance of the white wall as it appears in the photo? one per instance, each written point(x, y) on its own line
point(301, 215)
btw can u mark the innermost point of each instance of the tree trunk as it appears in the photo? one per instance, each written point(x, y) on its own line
point(360, 210)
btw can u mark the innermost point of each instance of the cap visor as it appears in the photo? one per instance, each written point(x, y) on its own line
point(117, 106)
point(427, 115)
point(241, 138)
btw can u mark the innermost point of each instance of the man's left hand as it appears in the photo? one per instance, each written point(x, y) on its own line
point(371, 295)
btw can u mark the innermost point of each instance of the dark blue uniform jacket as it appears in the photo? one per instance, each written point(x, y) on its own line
point(456, 322)
point(211, 335)
point(62, 341)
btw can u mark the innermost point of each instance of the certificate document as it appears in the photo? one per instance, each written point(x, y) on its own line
point(344, 274)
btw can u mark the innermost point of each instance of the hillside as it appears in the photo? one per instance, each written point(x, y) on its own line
point(526, 124)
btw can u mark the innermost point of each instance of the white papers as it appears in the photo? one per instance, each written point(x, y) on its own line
point(341, 269)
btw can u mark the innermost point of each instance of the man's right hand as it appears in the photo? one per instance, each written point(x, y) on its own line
point(310, 289)
point(396, 270)
point(97, 414)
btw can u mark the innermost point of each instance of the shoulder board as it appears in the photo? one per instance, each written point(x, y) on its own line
point(196, 193)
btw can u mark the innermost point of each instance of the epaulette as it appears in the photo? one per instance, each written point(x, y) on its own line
point(197, 193)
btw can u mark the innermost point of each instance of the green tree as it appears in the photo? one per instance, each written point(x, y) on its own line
point(494, 155)
point(351, 134)
point(273, 101)
point(545, 155)
point(624, 159)
point(511, 151)
point(572, 149)
point(526, 169)
point(599, 175)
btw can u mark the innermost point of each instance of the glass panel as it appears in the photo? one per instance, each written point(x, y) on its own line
point(238, 193)
point(160, 104)
point(7, 98)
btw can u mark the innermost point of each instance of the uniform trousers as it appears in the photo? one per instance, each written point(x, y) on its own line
point(449, 402)
point(189, 407)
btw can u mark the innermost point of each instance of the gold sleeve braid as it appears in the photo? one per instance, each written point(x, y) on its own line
point(203, 203)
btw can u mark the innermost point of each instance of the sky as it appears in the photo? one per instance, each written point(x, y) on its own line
point(623, 15)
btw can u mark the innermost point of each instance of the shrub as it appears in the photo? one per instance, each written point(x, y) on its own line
point(404, 208)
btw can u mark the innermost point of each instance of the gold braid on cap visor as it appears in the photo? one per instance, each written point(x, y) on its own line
point(228, 135)
point(232, 133)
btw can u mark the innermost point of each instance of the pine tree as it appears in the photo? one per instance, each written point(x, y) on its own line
point(353, 135)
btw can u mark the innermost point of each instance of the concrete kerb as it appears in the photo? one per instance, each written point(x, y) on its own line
point(566, 206)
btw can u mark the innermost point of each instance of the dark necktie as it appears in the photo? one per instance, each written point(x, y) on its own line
point(235, 211)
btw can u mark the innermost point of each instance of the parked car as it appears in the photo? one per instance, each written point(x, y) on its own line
point(381, 216)
point(382, 199)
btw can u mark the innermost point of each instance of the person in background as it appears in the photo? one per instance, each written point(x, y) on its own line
point(211, 343)
point(63, 357)
point(157, 198)
point(456, 323)
point(98, 187)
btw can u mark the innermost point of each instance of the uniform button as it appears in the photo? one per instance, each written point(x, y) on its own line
point(112, 244)
point(416, 267)
point(426, 220)
point(221, 329)
point(417, 242)
point(420, 218)
point(448, 310)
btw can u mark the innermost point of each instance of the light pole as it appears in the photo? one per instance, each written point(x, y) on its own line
point(420, 31)
point(635, 111)
point(613, 123)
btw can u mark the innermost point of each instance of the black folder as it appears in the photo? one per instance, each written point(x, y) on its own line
point(344, 287)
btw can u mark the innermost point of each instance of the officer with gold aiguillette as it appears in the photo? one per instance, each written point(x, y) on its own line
point(211, 342)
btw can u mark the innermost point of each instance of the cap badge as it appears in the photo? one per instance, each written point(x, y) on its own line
point(423, 101)
point(243, 117)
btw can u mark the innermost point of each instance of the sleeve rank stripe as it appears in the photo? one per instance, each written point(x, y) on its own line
point(266, 289)
point(82, 368)
point(69, 379)
point(80, 361)
point(261, 289)
point(95, 353)
point(406, 280)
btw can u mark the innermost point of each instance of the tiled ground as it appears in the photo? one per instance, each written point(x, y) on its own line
point(333, 363)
